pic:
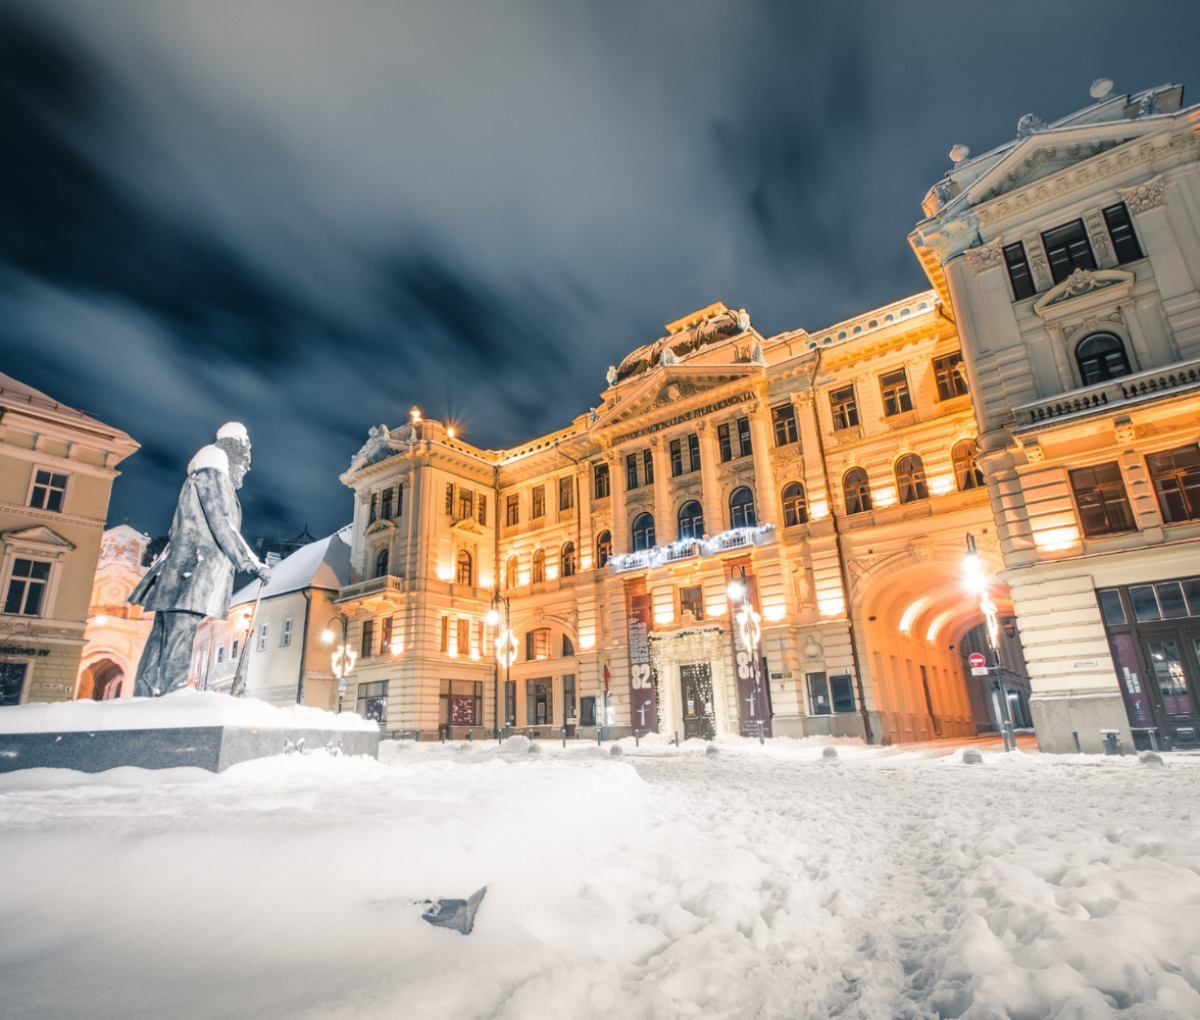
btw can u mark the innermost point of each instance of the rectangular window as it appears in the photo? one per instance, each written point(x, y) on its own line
point(951, 376)
point(385, 507)
point(724, 443)
point(566, 493)
point(631, 471)
point(1111, 608)
point(400, 501)
point(587, 711)
point(220, 654)
point(600, 481)
point(450, 498)
point(285, 639)
point(49, 491)
point(1102, 501)
point(783, 418)
point(691, 600)
point(844, 407)
point(512, 510)
point(569, 697)
point(539, 502)
point(12, 682)
point(743, 430)
point(841, 690)
point(373, 512)
point(466, 504)
point(676, 458)
point(648, 466)
point(539, 702)
point(463, 636)
point(1068, 249)
point(462, 702)
point(262, 638)
point(445, 634)
point(233, 649)
point(372, 701)
point(896, 398)
point(1176, 478)
point(27, 588)
point(366, 646)
point(1018, 271)
point(1120, 229)
point(385, 636)
point(694, 451)
point(818, 695)
point(481, 509)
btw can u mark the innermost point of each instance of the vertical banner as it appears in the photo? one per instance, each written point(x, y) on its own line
point(754, 705)
point(1133, 690)
point(643, 707)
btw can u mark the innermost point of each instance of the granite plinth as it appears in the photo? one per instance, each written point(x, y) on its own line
point(207, 747)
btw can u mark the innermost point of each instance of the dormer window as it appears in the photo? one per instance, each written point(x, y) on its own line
point(1101, 357)
point(1068, 249)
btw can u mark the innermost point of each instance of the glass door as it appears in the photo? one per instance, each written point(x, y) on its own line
point(1174, 660)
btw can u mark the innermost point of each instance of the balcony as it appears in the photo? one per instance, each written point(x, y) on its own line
point(1129, 389)
point(376, 590)
point(690, 548)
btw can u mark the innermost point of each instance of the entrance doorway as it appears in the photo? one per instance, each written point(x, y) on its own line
point(1174, 659)
point(695, 686)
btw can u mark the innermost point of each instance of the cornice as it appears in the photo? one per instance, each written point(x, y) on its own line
point(17, 510)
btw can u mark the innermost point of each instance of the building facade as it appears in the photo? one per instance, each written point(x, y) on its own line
point(57, 467)
point(832, 476)
point(1071, 259)
point(116, 632)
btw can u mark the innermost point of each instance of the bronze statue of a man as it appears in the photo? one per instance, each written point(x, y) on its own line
point(193, 577)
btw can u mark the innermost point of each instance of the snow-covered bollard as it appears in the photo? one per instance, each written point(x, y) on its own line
point(518, 744)
point(829, 752)
point(616, 749)
point(971, 756)
point(711, 750)
point(1151, 758)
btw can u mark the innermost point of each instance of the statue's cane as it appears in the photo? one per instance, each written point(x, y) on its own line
point(239, 675)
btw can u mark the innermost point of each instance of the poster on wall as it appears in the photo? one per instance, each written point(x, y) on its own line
point(643, 704)
point(754, 703)
point(1133, 689)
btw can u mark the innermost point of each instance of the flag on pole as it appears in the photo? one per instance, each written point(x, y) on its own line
point(607, 677)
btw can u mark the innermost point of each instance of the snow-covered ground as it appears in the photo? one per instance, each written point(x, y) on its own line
point(657, 883)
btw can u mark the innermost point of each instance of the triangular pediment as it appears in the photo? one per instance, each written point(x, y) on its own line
point(468, 525)
point(40, 537)
point(675, 384)
point(380, 445)
point(380, 525)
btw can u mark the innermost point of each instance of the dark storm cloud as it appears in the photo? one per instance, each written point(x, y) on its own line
point(310, 216)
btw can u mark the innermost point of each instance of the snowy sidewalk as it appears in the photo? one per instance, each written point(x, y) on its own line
point(662, 882)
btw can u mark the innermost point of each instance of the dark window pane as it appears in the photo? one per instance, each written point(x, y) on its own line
point(1111, 607)
point(1018, 271)
point(951, 376)
point(744, 447)
point(724, 443)
point(1068, 249)
point(842, 691)
point(844, 407)
point(1170, 600)
point(1191, 591)
point(676, 458)
point(1120, 229)
point(1102, 501)
point(818, 695)
point(631, 471)
point(783, 418)
point(694, 451)
point(1145, 604)
point(648, 466)
point(1176, 477)
point(896, 398)
point(1101, 357)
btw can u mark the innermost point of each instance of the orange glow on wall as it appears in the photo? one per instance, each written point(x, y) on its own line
point(1056, 539)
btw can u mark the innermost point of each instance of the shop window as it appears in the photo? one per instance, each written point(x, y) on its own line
point(600, 481)
point(539, 566)
point(910, 479)
point(741, 508)
point(951, 376)
point(603, 548)
point(783, 419)
point(844, 407)
point(1166, 600)
point(461, 702)
point(1068, 249)
point(691, 520)
point(27, 586)
point(463, 571)
point(569, 697)
point(857, 489)
point(539, 702)
point(724, 443)
point(567, 560)
point(795, 507)
point(896, 398)
point(372, 701)
point(966, 470)
point(1018, 271)
point(1176, 478)
point(1101, 357)
point(643, 532)
point(1111, 607)
point(1120, 229)
point(1102, 500)
point(691, 600)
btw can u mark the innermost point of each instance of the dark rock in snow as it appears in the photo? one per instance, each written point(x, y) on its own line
point(829, 752)
point(456, 914)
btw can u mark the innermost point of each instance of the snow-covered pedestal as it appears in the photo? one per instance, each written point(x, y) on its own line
point(203, 730)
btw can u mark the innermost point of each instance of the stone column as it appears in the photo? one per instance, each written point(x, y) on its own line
point(710, 485)
point(616, 502)
point(764, 476)
point(665, 522)
point(583, 507)
point(1148, 206)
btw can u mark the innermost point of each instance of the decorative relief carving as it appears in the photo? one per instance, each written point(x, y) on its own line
point(987, 256)
point(1145, 196)
point(1033, 451)
point(1124, 429)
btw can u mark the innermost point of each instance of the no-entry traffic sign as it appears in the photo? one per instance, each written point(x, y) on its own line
point(975, 659)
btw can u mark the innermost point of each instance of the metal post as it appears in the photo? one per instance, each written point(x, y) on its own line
point(564, 736)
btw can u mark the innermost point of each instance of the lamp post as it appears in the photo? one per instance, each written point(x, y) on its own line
point(749, 625)
point(977, 584)
point(343, 658)
point(506, 653)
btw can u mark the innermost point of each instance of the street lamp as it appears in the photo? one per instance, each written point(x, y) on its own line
point(749, 625)
point(343, 658)
point(506, 653)
point(976, 581)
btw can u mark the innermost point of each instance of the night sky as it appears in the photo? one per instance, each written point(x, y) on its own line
point(310, 216)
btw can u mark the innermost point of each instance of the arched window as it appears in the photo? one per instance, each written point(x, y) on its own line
point(857, 488)
point(1101, 357)
point(566, 560)
point(741, 508)
point(910, 479)
point(795, 506)
point(966, 471)
point(691, 520)
point(381, 563)
point(643, 532)
point(512, 573)
point(603, 548)
point(463, 575)
point(539, 566)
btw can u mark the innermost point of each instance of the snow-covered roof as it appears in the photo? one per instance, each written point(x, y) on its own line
point(324, 563)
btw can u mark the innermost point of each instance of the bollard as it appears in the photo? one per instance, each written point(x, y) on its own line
point(637, 739)
point(1112, 742)
point(677, 738)
point(597, 736)
point(1078, 747)
point(470, 736)
point(443, 736)
point(564, 736)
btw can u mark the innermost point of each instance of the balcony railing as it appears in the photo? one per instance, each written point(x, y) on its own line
point(1128, 388)
point(688, 548)
point(375, 586)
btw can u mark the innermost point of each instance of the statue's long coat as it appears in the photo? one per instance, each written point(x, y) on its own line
point(205, 548)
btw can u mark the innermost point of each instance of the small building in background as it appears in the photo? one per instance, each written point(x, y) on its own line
point(116, 632)
point(287, 662)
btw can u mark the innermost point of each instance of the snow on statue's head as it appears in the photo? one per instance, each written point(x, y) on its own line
point(233, 438)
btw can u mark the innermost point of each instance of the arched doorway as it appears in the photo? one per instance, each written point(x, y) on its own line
point(102, 680)
point(915, 618)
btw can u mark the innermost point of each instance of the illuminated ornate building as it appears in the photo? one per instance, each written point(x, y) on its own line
point(830, 475)
point(1071, 258)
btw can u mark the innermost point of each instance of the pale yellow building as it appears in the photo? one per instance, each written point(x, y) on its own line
point(57, 466)
point(1071, 258)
